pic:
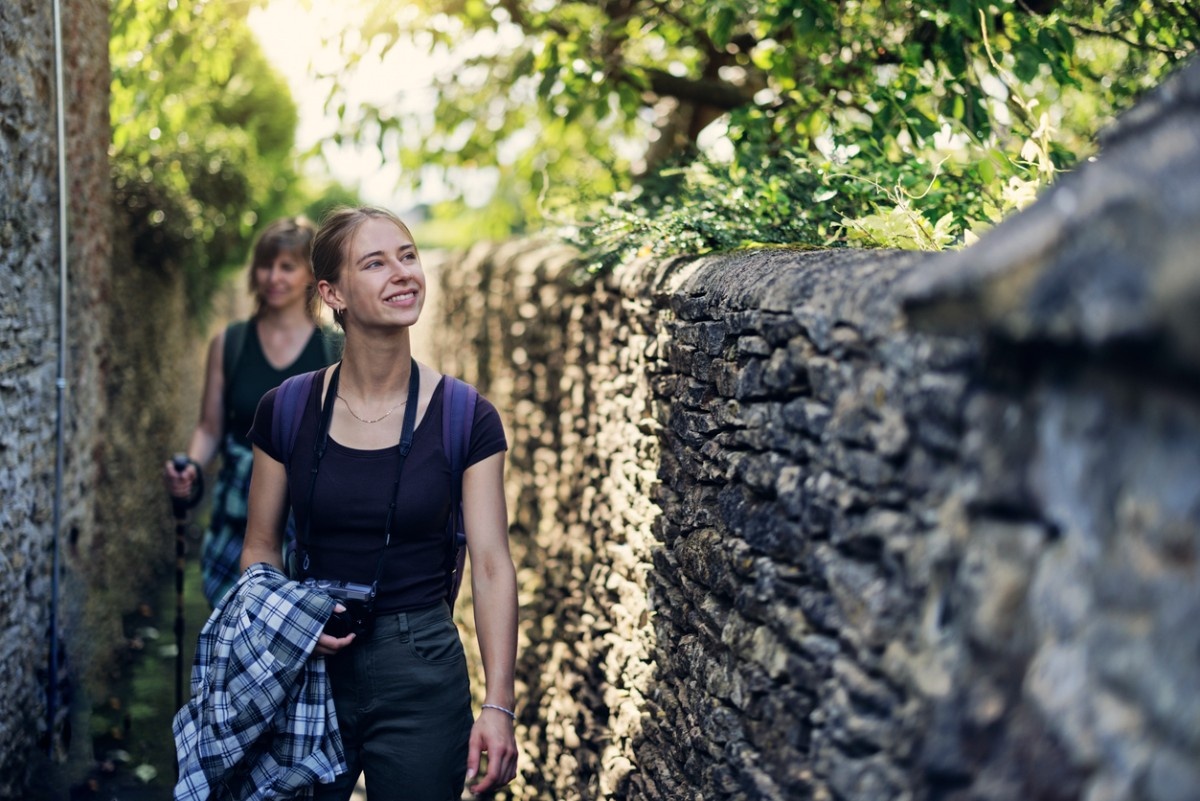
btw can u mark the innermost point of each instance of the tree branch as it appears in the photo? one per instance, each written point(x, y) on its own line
point(513, 7)
point(1080, 27)
point(717, 94)
point(1134, 43)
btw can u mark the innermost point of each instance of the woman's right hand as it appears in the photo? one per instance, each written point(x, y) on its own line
point(179, 484)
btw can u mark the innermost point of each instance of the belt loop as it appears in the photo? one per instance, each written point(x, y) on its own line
point(403, 626)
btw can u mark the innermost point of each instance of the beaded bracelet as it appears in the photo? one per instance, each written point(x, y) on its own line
point(508, 712)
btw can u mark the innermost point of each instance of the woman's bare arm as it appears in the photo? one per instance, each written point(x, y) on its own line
point(206, 437)
point(494, 585)
point(265, 522)
point(267, 512)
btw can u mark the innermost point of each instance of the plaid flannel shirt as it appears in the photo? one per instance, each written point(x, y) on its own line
point(260, 723)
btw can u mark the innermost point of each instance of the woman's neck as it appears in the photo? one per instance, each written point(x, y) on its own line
point(287, 318)
point(376, 368)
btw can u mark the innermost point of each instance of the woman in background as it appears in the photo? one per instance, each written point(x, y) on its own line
point(245, 360)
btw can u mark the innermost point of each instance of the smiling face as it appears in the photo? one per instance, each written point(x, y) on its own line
point(380, 281)
point(282, 281)
point(280, 270)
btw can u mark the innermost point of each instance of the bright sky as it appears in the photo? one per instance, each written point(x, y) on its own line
point(290, 36)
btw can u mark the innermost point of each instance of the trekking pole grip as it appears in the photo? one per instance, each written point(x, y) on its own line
point(180, 461)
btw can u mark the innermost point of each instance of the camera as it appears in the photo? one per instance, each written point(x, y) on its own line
point(359, 600)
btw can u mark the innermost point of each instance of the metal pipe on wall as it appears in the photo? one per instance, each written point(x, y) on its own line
point(60, 382)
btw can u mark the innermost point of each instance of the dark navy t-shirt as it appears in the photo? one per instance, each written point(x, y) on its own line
point(352, 495)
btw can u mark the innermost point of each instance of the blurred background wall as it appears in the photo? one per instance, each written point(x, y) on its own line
point(129, 362)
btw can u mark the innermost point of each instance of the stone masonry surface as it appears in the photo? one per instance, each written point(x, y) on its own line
point(129, 370)
point(863, 525)
point(29, 348)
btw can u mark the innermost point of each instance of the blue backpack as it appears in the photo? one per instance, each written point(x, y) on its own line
point(458, 415)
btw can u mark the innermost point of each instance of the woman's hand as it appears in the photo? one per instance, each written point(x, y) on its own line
point(179, 484)
point(327, 644)
point(492, 734)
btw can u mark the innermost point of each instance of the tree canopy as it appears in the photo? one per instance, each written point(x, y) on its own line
point(203, 135)
point(667, 123)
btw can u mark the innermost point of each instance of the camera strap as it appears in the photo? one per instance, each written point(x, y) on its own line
point(321, 443)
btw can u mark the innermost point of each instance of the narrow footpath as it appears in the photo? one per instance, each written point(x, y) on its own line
point(130, 728)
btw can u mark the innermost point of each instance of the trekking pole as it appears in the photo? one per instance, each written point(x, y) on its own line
point(179, 508)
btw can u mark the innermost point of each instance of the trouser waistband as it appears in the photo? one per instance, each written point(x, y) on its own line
point(401, 623)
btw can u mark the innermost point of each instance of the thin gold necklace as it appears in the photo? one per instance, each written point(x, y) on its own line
point(377, 419)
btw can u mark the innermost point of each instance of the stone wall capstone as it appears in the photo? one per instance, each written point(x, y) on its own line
point(863, 525)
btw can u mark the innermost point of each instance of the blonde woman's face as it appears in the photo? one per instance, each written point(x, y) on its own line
point(382, 282)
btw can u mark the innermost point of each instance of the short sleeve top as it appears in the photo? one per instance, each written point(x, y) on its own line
point(351, 496)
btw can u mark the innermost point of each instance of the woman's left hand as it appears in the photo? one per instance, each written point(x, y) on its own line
point(492, 734)
point(327, 644)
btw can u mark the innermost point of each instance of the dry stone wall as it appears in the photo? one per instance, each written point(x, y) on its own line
point(128, 368)
point(852, 525)
point(29, 350)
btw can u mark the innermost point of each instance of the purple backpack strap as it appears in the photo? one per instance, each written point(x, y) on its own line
point(290, 400)
point(458, 415)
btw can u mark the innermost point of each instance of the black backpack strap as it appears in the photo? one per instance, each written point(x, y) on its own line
point(235, 342)
point(231, 355)
point(458, 416)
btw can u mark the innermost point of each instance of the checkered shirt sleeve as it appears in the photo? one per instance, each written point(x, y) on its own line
point(260, 723)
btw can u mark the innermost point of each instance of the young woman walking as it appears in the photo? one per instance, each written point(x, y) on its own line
point(374, 514)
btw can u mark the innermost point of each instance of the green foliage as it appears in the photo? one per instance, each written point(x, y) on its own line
point(329, 198)
point(825, 122)
point(202, 140)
